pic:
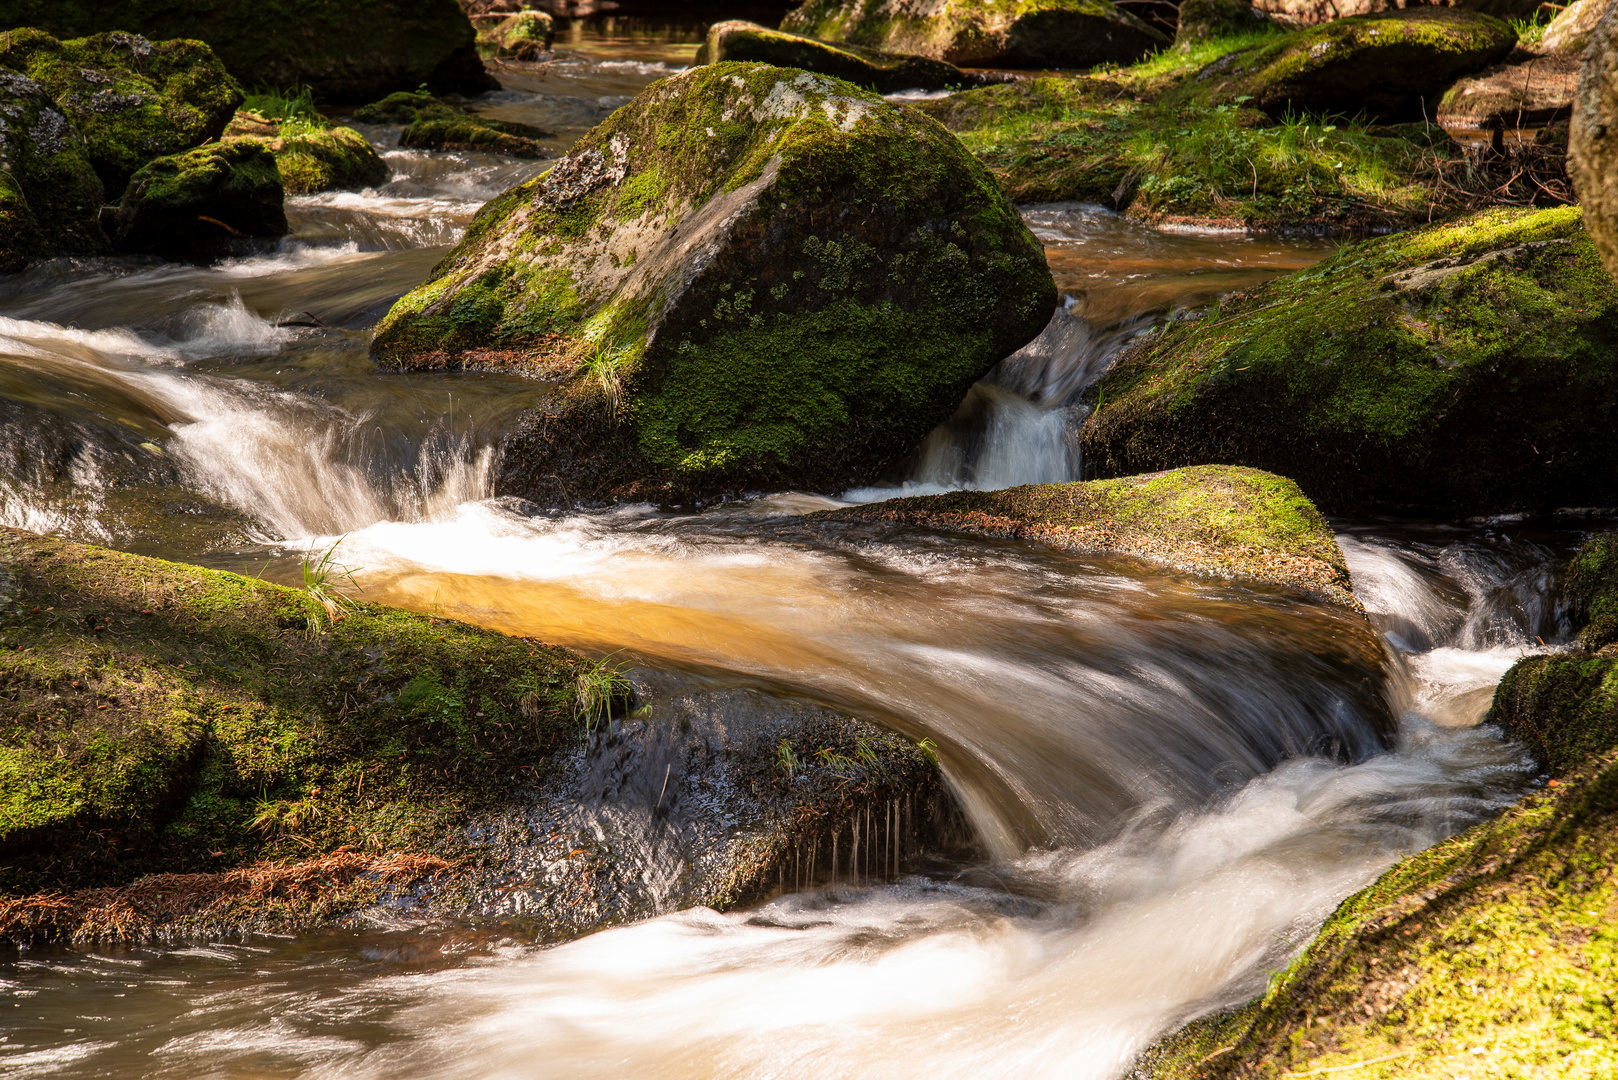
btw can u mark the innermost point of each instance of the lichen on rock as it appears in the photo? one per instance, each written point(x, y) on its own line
point(984, 33)
point(749, 275)
point(130, 98)
point(56, 198)
point(1468, 368)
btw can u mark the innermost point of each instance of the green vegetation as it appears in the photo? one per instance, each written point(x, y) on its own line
point(164, 717)
point(802, 360)
point(471, 133)
point(1591, 590)
point(1470, 367)
point(291, 103)
point(312, 158)
point(883, 72)
point(1215, 519)
point(53, 196)
point(184, 203)
point(19, 232)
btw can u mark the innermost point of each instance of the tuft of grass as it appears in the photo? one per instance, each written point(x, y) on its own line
point(600, 688)
point(785, 758)
point(294, 103)
point(1531, 31)
point(323, 578)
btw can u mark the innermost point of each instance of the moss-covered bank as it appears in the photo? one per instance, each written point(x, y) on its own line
point(1466, 368)
point(1494, 954)
point(1213, 520)
point(185, 752)
point(748, 277)
point(1145, 141)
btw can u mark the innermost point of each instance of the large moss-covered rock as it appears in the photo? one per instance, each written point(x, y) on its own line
point(19, 232)
point(1312, 12)
point(1592, 151)
point(524, 35)
point(1204, 19)
point(1470, 367)
point(346, 50)
point(475, 133)
point(1530, 94)
point(132, 99)
point(984, 33)
point(314, 157)
point(1391, 66)
point(748, 276)
point(192, 204)
point(1570, 31)
point(1215, 520)
point(49, 164)
point(885, 73)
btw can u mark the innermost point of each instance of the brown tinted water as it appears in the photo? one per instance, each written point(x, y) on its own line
point(1174, 778)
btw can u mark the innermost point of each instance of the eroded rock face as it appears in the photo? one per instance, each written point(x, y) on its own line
point(1034, 34)
point(749, 276)
point(1533, 93)
point(1592, 153)
point(1393, 66)
point(132, 99)
point(738, 40)
point(54, 196)
point(347, 51)
point(1466, 368)
point(191, 205)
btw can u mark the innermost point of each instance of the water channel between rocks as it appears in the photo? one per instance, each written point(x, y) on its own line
point(1172, 781)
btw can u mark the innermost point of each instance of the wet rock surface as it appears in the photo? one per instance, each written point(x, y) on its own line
point(1042, 34)
point(1467, 368)
point(748, 277)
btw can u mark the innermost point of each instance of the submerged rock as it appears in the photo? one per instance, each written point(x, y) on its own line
point(192, 753)
point(191, 205)
point(749, 276)
point(1393, 66)
point(1204, 19)
point(1571, 30)
point(883, 72)
point(345, 50)
point(48, 164)
point(130, 98)
point(1533, 93)
point(1592, 151)
point(1466, 368)
point(1215, 520)
point(1032, 34)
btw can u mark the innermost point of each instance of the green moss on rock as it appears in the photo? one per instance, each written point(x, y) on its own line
point(190, 203)
point(1591, 591)
point(1470, 367)
point(985, 33)
point(885, 73)
point(1391, 65)
point(1200, 20)
point(311, 158)
point(130, 98)
point(747, 276)
point(348, 51)
point(48, 161)
point(1215, 520)
point(19, 232)
point(474, 133)
point(406, 107)
point(523, 36)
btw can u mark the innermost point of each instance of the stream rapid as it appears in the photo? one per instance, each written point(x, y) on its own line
point(1172, 781)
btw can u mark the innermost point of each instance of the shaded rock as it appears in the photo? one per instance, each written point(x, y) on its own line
point(748, 276)
point(473, 133)
point(1393, 66)
point(1204, 19)
point(1592, 150)
point(883, 72)
point(19, 232)
point(192, 204)
point(1034, 34)
point(49, 163)
point(346, 50)
point(189, 753)
point(1467, 368)
point(1533, 93)
point(525, 35)
point(406, 107)
point(1570, 31)
point(130, 98)
point(1214, 520)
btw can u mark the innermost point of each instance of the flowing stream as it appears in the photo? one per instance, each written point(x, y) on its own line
point(1171, 780)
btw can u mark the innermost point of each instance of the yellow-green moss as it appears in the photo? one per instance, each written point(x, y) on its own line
point(311, 158)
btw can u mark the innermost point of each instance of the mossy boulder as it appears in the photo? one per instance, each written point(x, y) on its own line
point(749, 276)
point(347, 51)
point(1204, 19)
point(1592, 151)
point(1493, 953)
point(406, 107)
point(1533, 93)
point(525, 35)
point(985, 33)
point(315, 157)
point(1570, 32)
point(48, 165)
point(19, 232)
point(1214, 520)
point(474, 133)
point(1390, 65)
point(1466, 368)
point(192, 205)
point(885, 73)
point(132, 99)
